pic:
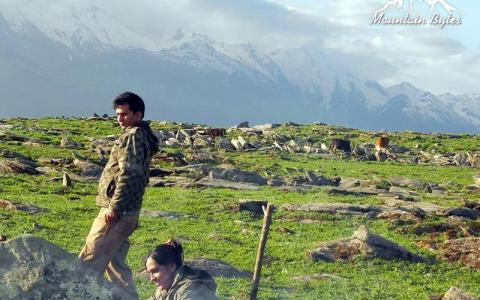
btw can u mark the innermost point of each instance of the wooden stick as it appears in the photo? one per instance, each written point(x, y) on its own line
point(267, 220)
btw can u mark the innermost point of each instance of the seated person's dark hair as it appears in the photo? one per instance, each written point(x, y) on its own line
point(135, 103)
point(169, 252)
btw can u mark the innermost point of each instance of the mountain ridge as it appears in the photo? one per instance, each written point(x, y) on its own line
point(193, 78)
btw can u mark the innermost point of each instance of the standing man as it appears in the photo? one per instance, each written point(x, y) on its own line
point(120, 193)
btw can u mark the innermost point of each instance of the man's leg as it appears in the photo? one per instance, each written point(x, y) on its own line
point(118, 271)
point(98, 249)
point(104, 242)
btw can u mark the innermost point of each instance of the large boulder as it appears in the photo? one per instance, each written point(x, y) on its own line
point(362, 244)
point(33, 268)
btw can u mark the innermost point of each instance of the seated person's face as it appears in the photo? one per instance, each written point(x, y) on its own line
point(161, 276)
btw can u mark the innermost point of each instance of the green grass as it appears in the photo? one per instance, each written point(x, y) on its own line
point(208, 227)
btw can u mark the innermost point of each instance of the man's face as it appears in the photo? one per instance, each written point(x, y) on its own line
point(126, 117)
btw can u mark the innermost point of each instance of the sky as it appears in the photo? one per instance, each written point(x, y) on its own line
point(437, 60)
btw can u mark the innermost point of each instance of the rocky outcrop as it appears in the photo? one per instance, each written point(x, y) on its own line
point(33, 268)
point(362, 244)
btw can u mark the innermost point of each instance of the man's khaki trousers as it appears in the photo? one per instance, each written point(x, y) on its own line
point(106, 249)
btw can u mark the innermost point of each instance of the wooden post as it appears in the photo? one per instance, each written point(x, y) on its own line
point(267, 220)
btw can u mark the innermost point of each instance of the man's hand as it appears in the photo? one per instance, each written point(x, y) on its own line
point(111, 216)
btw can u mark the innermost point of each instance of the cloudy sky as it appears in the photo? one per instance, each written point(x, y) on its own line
point(437, 60)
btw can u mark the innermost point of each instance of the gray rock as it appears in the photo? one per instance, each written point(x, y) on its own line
point(363, 244)
point(218, 268)
point(236, 144)
point(159, 214)
point(236, 175)
point(408, 182)
point(173, 142)
point(348, 183)
point(461, 159)
point(225, 144)
point(275, 182)
point(381, 155)
point(316, 277)
point(338, 208)
point(465, 212)
point(66, 181)
point(220, 183)
point(33, 268)
point(87, 167)
point(264, 127)
point(254, 206)
point(30, 209)
point(425, 206)
point(69, 143)
point(18, 165)
point(243, 124)
point(396, 149)
point(354, 192)
point(313, 179)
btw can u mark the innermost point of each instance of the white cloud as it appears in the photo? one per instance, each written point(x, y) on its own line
point(426, 56)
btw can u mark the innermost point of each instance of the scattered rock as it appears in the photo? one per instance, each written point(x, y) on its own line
point(243, 124)
point(30, 209)
point(465, 250)
point(236, 175)
point(320, 180)
point(381, 155)
point(457, 294)
point(218, 268)
point(425, 206)
point(348, 183)
point(362, 244)
point(33, 268)
point(18, 165)
point(69, 143)
point(337, 208)
point(160, 214)
point(220, 183)
point(66, 181)
point(401, 217)
point(275, 182)
point(254, 206)
point(357, 192)
point(465, 212)
point(316, 277)
point(225, 144)
point(87, 167)
point(408, 182)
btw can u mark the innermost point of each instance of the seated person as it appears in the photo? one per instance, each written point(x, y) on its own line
point(176, 281)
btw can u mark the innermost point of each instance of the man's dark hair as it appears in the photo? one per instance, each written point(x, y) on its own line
point(135, 103)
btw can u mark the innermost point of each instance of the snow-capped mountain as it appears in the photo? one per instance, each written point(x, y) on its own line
point(79, 53)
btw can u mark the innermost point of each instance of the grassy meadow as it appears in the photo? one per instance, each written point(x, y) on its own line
point(208, 226)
